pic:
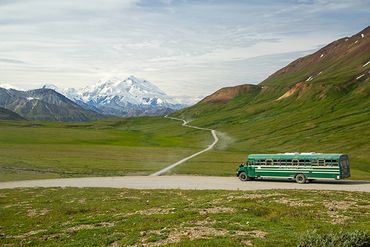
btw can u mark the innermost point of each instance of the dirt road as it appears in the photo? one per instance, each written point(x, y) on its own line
point(156, 181)
point(188, 182)
point(166, 169)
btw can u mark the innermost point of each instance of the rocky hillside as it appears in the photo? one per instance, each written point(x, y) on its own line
point(228, 93)
point(44, 104)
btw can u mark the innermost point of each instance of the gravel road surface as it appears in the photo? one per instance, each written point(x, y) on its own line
point(188, 182)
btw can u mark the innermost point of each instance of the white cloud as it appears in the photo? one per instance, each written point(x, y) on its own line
point(186, 47)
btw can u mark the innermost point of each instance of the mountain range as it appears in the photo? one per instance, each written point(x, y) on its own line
point(129, 97)
point(44, 104)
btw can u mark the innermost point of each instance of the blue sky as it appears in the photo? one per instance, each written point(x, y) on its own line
point(188, 48)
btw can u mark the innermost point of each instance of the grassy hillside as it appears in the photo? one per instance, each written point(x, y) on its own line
point(319, 103)
point(121, 217)
point(6, 114)
point(103, 148)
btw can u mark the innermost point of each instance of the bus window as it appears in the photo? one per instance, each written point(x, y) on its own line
point(277, 162)
point(314, 163)
point(307, 162)
point(295, 162)
point(260, 162)
point(301, 163)
point(328, 163)
point(269, 162)
point(321, 162)
point(288, 162)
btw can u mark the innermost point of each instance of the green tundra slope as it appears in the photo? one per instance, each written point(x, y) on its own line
point(318, 103)
point(6, 114)
point(110, 147)
point(121, 217)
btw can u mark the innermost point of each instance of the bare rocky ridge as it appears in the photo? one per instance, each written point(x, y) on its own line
point(228, 93)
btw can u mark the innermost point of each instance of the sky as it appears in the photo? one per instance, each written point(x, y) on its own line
point(188, 48)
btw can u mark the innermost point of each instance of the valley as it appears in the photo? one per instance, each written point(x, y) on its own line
point(110, 147)
point(317, 103)
point(146, 123)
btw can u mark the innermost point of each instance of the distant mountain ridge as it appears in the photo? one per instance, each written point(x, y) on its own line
point(44, 104)
point(129, 97)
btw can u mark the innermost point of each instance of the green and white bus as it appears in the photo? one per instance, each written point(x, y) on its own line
point(303, 167)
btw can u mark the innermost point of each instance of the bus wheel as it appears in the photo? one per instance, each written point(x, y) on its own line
point(300, 178)
point(243, 176)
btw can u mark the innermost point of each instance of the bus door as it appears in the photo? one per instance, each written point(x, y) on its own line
point(345, 168)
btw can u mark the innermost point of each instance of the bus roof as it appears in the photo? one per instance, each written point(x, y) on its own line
point(283, 156)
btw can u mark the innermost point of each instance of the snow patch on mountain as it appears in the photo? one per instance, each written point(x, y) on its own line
point(32, 98)
point(309, 78)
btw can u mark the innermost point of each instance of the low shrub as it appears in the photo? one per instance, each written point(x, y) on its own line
point(338, 239)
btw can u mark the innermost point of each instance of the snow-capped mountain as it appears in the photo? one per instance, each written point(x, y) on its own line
point(129, 97)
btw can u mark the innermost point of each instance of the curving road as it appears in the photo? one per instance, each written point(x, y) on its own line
point(188, 183)
point(166, 169)
point(155, 181)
